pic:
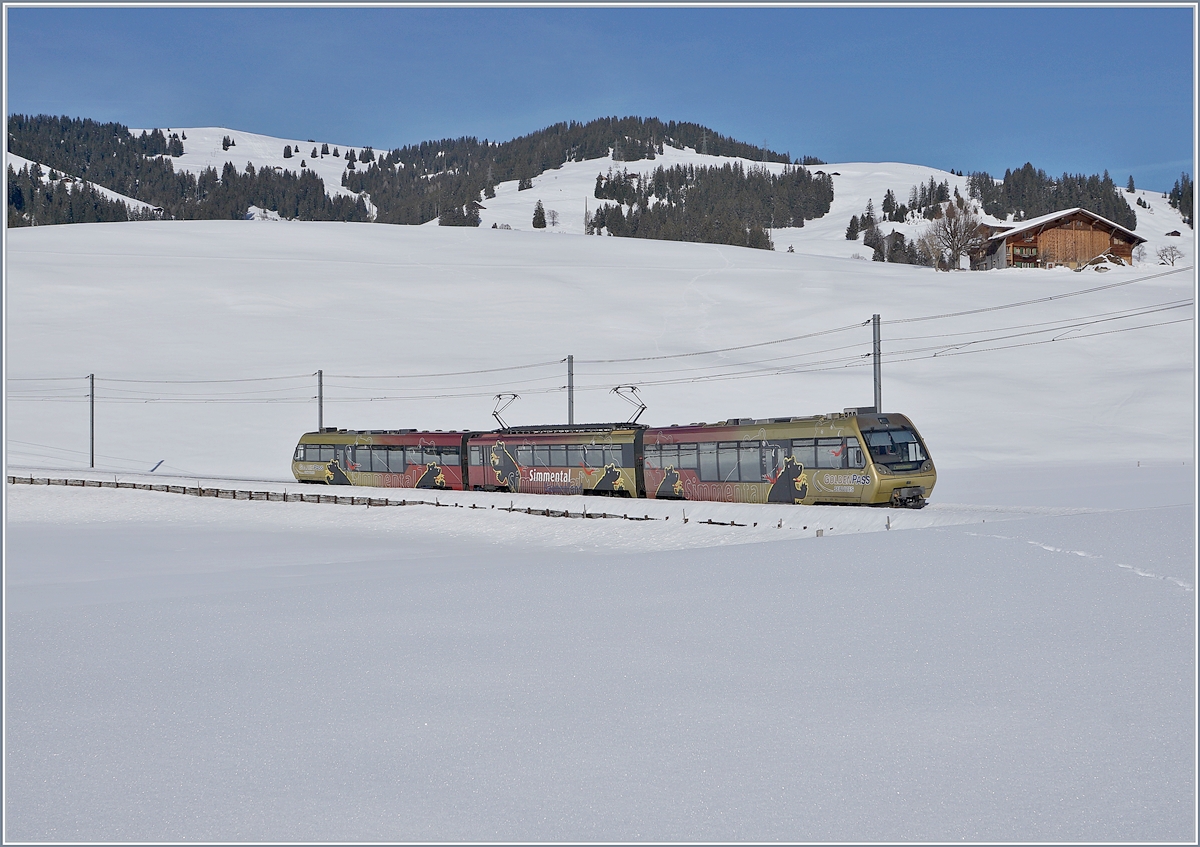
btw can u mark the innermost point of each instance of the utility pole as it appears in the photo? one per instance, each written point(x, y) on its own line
point(320, 401)
point(571, 390)
point(876, 356)
point(92, 420)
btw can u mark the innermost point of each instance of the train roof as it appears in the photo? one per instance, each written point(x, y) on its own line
point(593, 427)
point(846, 413)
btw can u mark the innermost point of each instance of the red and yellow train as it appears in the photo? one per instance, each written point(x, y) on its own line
point(844, 458)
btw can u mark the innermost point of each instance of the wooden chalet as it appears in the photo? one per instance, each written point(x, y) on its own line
point(1070, 238)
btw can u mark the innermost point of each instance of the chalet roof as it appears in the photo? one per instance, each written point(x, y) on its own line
point(1035, 223)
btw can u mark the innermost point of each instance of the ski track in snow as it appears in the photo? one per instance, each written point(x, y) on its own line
point(1186, 586)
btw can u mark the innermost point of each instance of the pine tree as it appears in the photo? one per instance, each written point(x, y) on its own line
point(1129, 188)
point(539, 216)
point(287, 151)
point(324, 149)
point(852, 229)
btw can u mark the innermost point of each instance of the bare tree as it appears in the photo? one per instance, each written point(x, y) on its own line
point(552, 217)
point(928, 247)
point(1168, 255)
point(1139, 253)
point(956, 232)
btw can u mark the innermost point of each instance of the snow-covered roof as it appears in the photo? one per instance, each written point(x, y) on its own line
point(1034, 223)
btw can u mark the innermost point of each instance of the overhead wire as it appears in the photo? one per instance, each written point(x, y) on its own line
point(724, 370)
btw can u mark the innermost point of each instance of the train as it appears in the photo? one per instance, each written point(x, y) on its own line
point(854, 457)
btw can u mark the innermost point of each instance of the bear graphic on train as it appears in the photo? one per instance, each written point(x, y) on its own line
point(671, 488)
point(432, 477)
point(611, 480)
point(791, 486)
point(504, 466)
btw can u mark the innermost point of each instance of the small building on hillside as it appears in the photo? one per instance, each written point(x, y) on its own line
point(1072, 238)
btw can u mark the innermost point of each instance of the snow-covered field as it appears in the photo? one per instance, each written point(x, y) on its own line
point(1016, 662)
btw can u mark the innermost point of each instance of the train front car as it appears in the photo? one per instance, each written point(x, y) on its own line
point(580, 459)
point(381, 459)
point(840, 458)
point(904, 473)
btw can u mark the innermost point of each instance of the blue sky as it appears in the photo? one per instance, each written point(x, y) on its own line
point(1068, 89)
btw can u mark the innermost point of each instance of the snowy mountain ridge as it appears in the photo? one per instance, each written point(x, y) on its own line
point(568, 191)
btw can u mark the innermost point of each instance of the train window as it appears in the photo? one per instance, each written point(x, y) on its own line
point(907, 445)
point(396, 459)
point(773, 456)
point(450, 456)
point(524, 455)
point(575, 455)
point(727, 461)
point(541, 456)
point(854, 454)
point(298, 456)
point(831, 453)
point(897, 448)
point(750, 462)
point(708, 461)
point(558, 456)
point(669, 455)
point(379, 462)
point(805, 451)
point(593, 455)
point(475, 456)
point(616, 454)
point(652, 455)
point(325, 453)
point(687, 456)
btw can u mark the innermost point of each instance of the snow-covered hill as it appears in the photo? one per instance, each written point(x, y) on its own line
point(18, 162)
point(203, 148)
point(227, 300)
point(569, 190)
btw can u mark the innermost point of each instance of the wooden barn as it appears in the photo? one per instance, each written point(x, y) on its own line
point(1072, 238)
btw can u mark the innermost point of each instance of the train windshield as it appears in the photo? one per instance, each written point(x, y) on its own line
point(899, 449)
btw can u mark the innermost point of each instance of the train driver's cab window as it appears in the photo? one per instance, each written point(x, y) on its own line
point(854, 454)
point(897, 448)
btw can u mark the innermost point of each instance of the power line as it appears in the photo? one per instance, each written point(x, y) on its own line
point(454, 373)
point(722, 349)
point(1040, 299)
